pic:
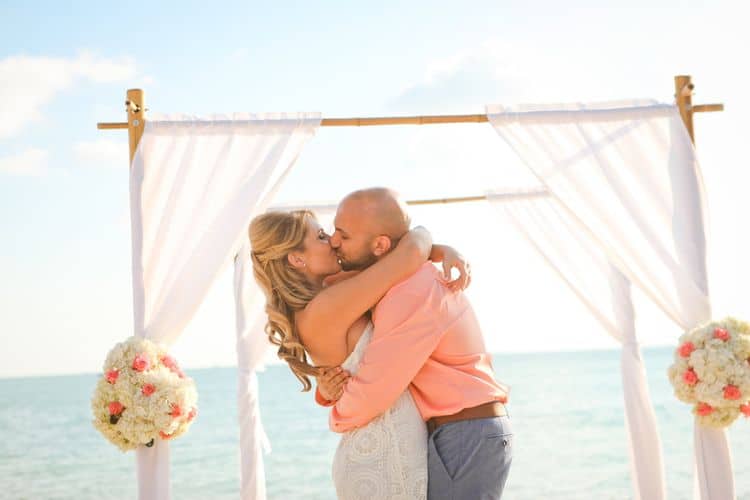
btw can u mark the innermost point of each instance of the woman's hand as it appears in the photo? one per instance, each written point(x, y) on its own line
point(331, 382)
point(450, 258)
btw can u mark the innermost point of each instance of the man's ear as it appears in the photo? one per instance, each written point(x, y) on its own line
point(381, 245)
point(295, 260)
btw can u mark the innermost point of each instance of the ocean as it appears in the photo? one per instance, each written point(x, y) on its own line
point(566, 410)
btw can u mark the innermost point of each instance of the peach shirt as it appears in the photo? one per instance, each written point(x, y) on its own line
point(426, 338)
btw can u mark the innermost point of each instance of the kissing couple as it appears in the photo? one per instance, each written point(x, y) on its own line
point(395, 347)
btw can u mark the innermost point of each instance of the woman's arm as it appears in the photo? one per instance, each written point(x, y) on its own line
point(337, 307)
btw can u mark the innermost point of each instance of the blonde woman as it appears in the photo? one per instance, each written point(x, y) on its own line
point(318, 316)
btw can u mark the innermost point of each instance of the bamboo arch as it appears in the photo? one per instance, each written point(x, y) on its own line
point(135, 107)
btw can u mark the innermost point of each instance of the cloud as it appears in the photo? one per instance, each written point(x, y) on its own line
point(102, 153)
point(27, 84)
point(32, 162)
point(500, 72)
point(471, 77)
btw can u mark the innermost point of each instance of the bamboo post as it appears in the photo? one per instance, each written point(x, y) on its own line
point(135, 108)
point(683, 94)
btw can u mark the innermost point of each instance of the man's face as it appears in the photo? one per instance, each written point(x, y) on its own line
point(353, 239)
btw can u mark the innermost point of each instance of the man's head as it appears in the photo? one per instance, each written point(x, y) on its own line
point(368, 224)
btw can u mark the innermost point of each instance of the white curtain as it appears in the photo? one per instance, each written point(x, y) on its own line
point(194, 186)
point(252, 345)
point(624, 174)
point(576, 258)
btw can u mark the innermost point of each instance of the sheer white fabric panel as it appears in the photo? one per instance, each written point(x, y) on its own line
point(612, 167)
point(194, 186)
point(572, 254)
point(252, 346)
point(626, 172)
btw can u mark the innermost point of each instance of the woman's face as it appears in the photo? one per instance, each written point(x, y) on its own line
point(320, 259)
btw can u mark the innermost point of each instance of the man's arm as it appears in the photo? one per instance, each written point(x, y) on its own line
point(407, 331)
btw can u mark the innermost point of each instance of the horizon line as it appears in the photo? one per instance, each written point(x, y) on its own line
point(281, 363)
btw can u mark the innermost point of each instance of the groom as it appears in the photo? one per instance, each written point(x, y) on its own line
point(425, 338)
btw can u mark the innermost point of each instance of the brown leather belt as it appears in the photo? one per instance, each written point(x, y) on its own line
point(486, 410)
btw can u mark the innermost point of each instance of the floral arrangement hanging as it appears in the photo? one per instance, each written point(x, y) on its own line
point(711, 371)
point(143, 395)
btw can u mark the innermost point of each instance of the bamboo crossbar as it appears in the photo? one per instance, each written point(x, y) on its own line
point(408, 120)
point(367, 122)
point(707, 108)
point(433, 201)
point(538, 193)
point(507, 196)
point(436, 201)
point(111, 126)
point(402, 120)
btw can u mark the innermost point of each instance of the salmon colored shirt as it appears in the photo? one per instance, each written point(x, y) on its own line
point(426, 338)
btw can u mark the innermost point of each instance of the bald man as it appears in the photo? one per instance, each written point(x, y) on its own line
point(426, 338)
point(368, 224)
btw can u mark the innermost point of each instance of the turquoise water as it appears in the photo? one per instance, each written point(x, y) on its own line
point(566, 409)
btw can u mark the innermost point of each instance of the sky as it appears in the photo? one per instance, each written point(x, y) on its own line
point(65, 288)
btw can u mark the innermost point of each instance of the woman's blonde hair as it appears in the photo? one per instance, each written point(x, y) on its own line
point(273, 236)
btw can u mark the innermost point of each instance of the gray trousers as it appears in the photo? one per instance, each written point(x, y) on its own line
point(469, 459)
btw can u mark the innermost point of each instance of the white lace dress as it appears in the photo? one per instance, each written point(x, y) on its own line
point(387, 458)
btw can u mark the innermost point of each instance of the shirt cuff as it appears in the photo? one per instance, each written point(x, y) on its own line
point(321, 400)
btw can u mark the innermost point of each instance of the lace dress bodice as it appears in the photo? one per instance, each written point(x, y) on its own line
point(387, 458)
point(351, 363)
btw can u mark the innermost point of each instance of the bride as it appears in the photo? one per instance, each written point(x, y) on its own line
point(314, 309)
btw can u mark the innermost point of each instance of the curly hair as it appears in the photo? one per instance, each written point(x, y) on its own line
point(273, 236)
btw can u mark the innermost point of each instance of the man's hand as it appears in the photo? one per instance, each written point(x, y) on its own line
point(331, 382)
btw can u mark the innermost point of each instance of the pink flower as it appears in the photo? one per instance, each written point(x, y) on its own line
point(704, 409)
point(689, 377)
point(192, 414)
point(140, 363)
point(745, 409)
point(169, 362)
point(732, 392)
point(685, 349)
point(112, 375)
point(115, 408)
point(721, 333)
point(148, 389)
point(176, 411)
point(163, 435)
